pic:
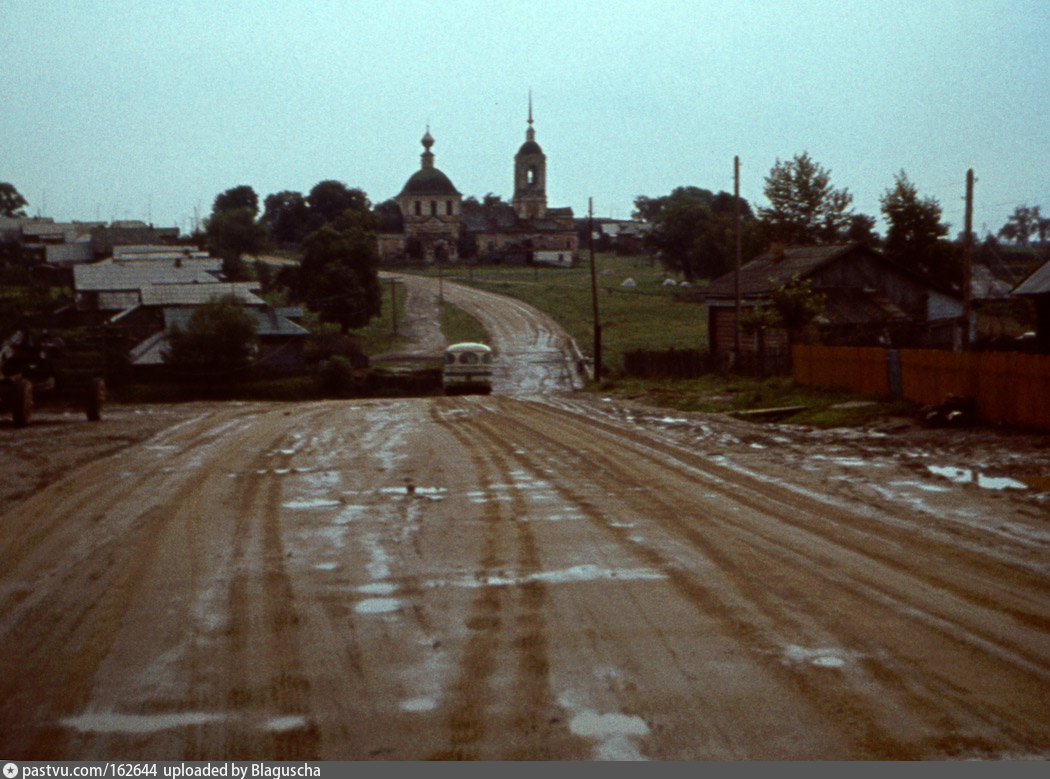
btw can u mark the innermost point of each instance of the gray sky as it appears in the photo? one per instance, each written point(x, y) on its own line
point(148, 109)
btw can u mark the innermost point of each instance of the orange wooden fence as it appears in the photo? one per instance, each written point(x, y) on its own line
point(1009, 388)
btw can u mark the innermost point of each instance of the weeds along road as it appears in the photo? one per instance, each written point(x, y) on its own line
point(519, 578)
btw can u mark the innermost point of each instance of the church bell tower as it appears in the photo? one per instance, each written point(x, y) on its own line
point(530, 176)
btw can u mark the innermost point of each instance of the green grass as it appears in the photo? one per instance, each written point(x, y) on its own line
point(458, 326)
point(717, 393)
point(378, 336)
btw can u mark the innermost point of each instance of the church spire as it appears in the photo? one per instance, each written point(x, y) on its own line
point(530, 134)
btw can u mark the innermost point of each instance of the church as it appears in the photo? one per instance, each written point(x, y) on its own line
point(438, 226)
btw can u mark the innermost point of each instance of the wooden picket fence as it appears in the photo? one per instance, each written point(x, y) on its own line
point(1009, 388)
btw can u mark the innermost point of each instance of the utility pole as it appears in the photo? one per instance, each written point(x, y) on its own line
point(594, 293)
point(736, 271)
point(968, 262)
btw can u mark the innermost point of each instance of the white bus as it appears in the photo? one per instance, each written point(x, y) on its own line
point(468, 369)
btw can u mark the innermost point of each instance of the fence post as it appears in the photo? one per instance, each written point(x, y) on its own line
point(893, 372)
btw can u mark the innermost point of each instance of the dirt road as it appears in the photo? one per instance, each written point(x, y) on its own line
point(523, 578)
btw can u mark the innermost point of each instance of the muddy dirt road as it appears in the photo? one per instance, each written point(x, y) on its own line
point(562, 577)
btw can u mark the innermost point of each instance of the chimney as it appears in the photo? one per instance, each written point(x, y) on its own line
point(776, 252)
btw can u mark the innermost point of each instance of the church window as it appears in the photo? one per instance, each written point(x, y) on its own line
point(448, 207)
point(530, 177)
point(433, 208)
point(419, 208)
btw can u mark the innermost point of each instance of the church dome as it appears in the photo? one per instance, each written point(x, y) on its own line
point(429, 181)
point(530, 147)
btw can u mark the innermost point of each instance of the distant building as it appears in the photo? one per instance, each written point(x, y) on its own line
point(65, 244)
point(438, 227)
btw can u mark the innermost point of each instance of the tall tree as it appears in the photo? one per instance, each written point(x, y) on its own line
point(11, 202)
point(915, 234)
point(388, 216)
point(804, 208)
point(237, 197)
point(233, 233)
point(1022, 224)
point(339, 275)
point(286, 214)
point(692, 229)
point(328, 199)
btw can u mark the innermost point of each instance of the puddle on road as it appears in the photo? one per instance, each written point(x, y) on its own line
point(285, 724)
point(377, 606)
point(312, 503)
point(576, 574)
point(111, 722)
point(614, 732)
point(377, 588)
point(418, 704)
point(824, 658)
point(967, 476)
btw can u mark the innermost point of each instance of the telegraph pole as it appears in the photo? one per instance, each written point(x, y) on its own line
point(968, 262)
point(594, 293)
point(736, 271)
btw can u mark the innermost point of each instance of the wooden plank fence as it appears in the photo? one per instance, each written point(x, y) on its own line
point(1009, 388)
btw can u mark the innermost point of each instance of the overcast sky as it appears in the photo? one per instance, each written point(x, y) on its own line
point(148, 109)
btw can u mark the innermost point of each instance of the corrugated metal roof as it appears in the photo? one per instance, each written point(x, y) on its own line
point(1036, 284)
point(109, 275)
point(196, 294)
point(267, 321)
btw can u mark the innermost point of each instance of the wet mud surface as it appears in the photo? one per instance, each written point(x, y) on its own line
point(525, 577)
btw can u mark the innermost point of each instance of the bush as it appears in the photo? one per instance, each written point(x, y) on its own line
point(338, 378)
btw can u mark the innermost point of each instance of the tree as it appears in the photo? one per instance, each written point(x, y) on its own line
point(804, 208)
point(328, 199)
point(389, 218)
point(1023, 224)
point(797, 304)
point(236, 198)
point(915, 234)
point(217, 342)
point(693, 230)
point(286, 214)
point(232, 233)
point(11, 202)
point(339, 276)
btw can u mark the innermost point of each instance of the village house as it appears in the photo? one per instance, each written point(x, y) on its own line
point(868, 300)
point(1037, 289)
point(144, 298)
